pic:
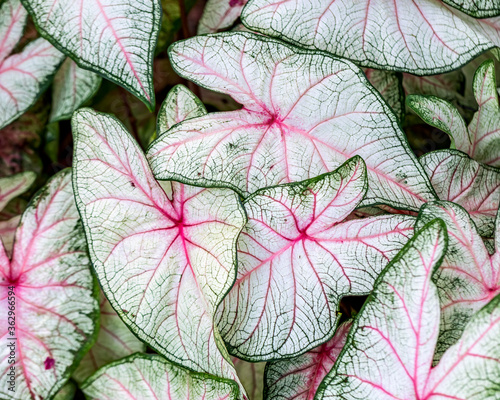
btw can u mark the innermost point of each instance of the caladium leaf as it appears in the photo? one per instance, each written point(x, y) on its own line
point(180, 104)
point(423, 37)
point(476, 8)
point(54, 294)
point(114, 39)
point(73, 86)
point(219, 14)
point(295, 262)
point(115, 341)
point(13, 186)
point(143, 240)
point(389, 85)
point(481, 140)
point(458, 178)
point(284, 132)
point(151, 377)
point(299, 378)
point(12, 21)
point(468, 278)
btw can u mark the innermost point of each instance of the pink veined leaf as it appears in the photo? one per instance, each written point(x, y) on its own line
point(13, 186)
point(389, 350)
point(146, 239)
point(151, 377)
point(284, 133)
point(296, 259)
point(114, 39)
point(298, 378)
point(49, 288)
point(422, 37)
point(12, 22)
point(458, 178)
point(219, 14)
point(115, 341)
point(7, 233)
point(468, 278)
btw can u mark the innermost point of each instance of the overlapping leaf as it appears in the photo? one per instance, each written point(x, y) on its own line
point(468, 278)
point(296, 259)
point(423, 37)
point(146, 377)
point(389, 351)
point(476, 8)
point(25, 75)
point(481, 140)
point(474, 186)
point(54, 295)
point(115, 39)
point(219, 14)
point(303, 114)
point(73, 86)
point(299, 378)
point(164, 259)
point(115, 341)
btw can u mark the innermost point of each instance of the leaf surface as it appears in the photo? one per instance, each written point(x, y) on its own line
point(389, 85)
point(423, 37)
point(458, 178)
point(298, 378)
point(12, 22)
point(73, 86)
point(151, 377)
point(219, 14)
point(114, 39)
point(303, 114)
point(13, 186)
point(54, 291)
point(144, 240)
point(296, 259)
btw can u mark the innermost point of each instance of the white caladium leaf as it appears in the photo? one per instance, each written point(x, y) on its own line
point(49, 288)
point(180, 104)
point(13, 186)
point(298, 378)
point(423, 37)
point(481, 140)
point(144, 240)
point(284, 133)
point(458, 178)
point(219, 14)
point(151, 377)
point(115, 341)
point(468, 278)
point(73, 86)
point(296, 259)
point(114, 39)
point(12, 21)
point(389, 85)
point(477, 8)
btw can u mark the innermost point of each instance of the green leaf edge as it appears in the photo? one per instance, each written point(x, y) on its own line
point(495, 12)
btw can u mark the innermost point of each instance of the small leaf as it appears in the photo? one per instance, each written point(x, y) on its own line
point(149, 377)
point(468, 277)
point(219, 14)
point(12, 22)
point(73, 86)
point(296, 260)
point(13, 186)
point(54, 295)
point(459, 179)
point(423, 37)
point(115, 341)
point(178, 241)
point(114, 39)
point(299, 378)
point(476, 8)
point(180, 104)
point(303, 115)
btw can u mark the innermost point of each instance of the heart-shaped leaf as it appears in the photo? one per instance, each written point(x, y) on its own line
point(151, 377)
point(115, 341)
point(73, 86)
point(468, 277)
point(219, 14)
point(481, 140)
point(48, 296)
point(144, 240)
point(460, 179)
point(423, 37)
point(114, 39)
point(389, 351)
point(296, 260)
point(299, 378)
point(284, 133)
point(180, 104)
point(23, 76)
point(476, 8)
